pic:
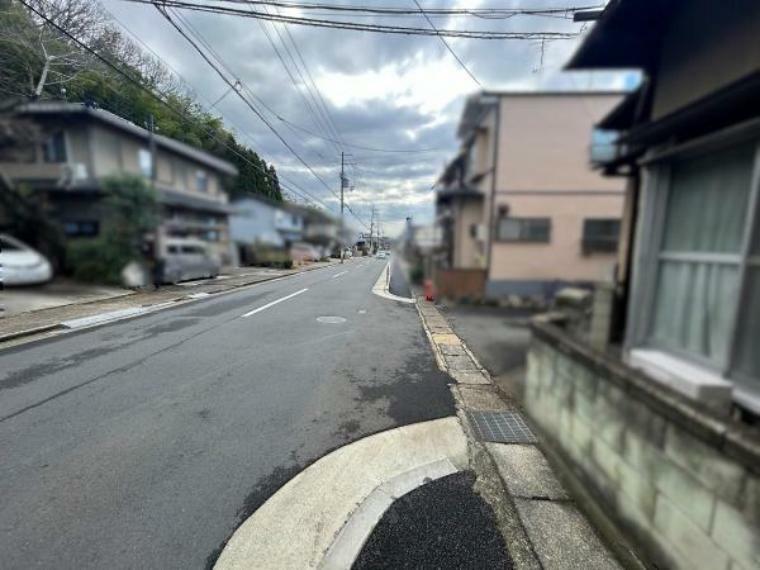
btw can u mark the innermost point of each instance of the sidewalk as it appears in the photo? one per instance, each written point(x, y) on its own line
point(541, 524)
point(498, 337)
point(14, 328)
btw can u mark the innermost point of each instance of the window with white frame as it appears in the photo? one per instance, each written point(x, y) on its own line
point(704, 290)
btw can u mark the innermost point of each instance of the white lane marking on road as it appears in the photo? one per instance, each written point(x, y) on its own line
point(331, 320)
point(339, 274)
point(275, 302)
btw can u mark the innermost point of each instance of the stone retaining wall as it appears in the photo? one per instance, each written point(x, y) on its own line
point(683, 483)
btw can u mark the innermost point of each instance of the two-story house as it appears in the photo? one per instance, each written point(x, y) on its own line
point(83, 145)
point(319, 229)
point(260, 221)
point(520, 204)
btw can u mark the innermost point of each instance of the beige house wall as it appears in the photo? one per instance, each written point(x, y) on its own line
point(725, 40)
point(544, 171)
point(562, 258)
point(544, 142)
point(467, 250)
point(114, 153)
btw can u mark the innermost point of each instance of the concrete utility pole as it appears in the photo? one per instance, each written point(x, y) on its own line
point(372, 230)
point(152, 143)
point(342, 222)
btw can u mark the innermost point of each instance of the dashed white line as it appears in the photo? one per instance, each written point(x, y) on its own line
point(275, 302)
point(339, 274)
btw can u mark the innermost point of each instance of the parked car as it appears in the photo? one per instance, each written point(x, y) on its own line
point(22, 265)
point(186, 259)
point(383, 254)
point(304, 252)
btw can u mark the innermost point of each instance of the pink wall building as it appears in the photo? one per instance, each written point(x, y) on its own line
point(521, 202)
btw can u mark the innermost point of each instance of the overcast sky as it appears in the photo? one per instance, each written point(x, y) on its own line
point(382, 91)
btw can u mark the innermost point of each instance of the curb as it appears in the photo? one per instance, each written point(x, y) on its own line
point(381, 287)
point(30, 332)
point(187, 297)
point(322, 517)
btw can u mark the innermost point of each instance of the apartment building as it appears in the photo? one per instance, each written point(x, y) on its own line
point(520, 204)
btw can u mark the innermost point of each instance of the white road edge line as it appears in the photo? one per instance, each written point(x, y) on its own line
point(275, 302)
point(339, 274)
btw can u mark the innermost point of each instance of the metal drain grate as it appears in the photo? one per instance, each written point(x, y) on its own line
point(500, 427)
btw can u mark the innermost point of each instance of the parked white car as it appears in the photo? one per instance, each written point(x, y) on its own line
point(22, 265)
point(186, 259)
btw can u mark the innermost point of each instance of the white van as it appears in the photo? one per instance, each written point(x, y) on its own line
point(186, 259)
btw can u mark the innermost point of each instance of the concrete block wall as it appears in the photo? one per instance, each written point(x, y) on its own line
point(683, 483)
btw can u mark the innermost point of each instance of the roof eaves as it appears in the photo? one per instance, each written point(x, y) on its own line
point(626, 36)
point(123, 124)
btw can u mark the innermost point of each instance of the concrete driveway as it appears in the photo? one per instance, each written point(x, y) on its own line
point(17, 300)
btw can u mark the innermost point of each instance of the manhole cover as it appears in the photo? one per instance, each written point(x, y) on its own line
point(331, 320)
point(501, 427)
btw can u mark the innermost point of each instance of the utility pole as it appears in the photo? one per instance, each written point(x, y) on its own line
point(372, 230)
point(152, 143)
point(158, 234)
point(342, 222)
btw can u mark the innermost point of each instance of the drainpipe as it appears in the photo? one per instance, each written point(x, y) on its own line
point(494, 174)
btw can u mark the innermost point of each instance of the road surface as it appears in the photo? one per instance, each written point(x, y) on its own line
point(144, 443)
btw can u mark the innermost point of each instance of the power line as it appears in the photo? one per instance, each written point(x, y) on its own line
point(152, 94)
point(366, 27)
point(308, 104)
point(329, 117)
point(234, 87)
point(396, 11)
point(232, 84)
point(448, 47)
point(282, 180)
point(249, 104)
point(361, 147)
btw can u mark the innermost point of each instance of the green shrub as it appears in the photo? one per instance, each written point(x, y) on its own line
point(131, 210)
point(417, 274)
point(97, 260)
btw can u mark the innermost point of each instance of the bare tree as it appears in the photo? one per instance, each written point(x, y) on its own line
point(37, 51)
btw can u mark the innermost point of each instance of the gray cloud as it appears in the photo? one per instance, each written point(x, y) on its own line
point(398, 183)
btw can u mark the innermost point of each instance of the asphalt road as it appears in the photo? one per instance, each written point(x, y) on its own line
point(144, 443)
point(443, 525)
